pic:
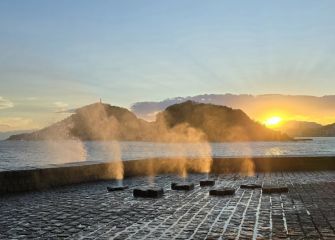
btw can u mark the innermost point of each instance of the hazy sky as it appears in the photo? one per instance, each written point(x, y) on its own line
point(63, 54)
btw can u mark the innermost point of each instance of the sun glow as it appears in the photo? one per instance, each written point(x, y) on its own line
point(273, 121)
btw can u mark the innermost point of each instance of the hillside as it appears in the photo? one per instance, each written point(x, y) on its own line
point(298, 128)
point(6, 135)
point(324, 131)
point(218, 123)
point(93, 122)
point(307, 129)
point(188, 121)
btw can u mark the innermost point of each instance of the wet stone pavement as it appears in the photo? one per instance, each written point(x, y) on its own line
point(88, 211)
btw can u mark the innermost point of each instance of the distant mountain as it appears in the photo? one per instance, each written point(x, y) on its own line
point(188, 121)
point(93, 122)
point(298, 128)
point(218, 123)
point(324, 131)
point(321, 109)
point(5, 135)
point(307, 129)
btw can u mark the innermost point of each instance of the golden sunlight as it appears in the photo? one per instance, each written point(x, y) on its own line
point(273, 121)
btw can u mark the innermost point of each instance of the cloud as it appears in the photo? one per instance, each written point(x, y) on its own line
point(31, 98)
point(61, 106)
point(258, 107)
point(4, 127)
point(16, 123)
point(5, 103)
point(71, 111)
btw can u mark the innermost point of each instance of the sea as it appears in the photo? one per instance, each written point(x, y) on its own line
point(34, 154)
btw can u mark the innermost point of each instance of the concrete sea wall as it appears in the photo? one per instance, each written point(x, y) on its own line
point(60, 175)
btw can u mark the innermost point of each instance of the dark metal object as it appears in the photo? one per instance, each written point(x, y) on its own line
point(207, 182)
point(222, 191)
point(274, 189)
point(182, 186)
point(147, 192)
point(251, 186)
point(116, 188)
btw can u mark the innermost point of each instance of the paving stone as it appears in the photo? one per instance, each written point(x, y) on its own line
point(88, 211)
point(274, 189)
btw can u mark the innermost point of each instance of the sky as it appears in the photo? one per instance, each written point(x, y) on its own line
point(58, 55)
point(262, 108)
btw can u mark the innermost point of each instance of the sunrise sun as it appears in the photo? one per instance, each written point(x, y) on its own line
point(273, 121)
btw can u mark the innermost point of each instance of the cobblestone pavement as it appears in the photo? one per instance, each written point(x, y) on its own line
point(88, 211)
